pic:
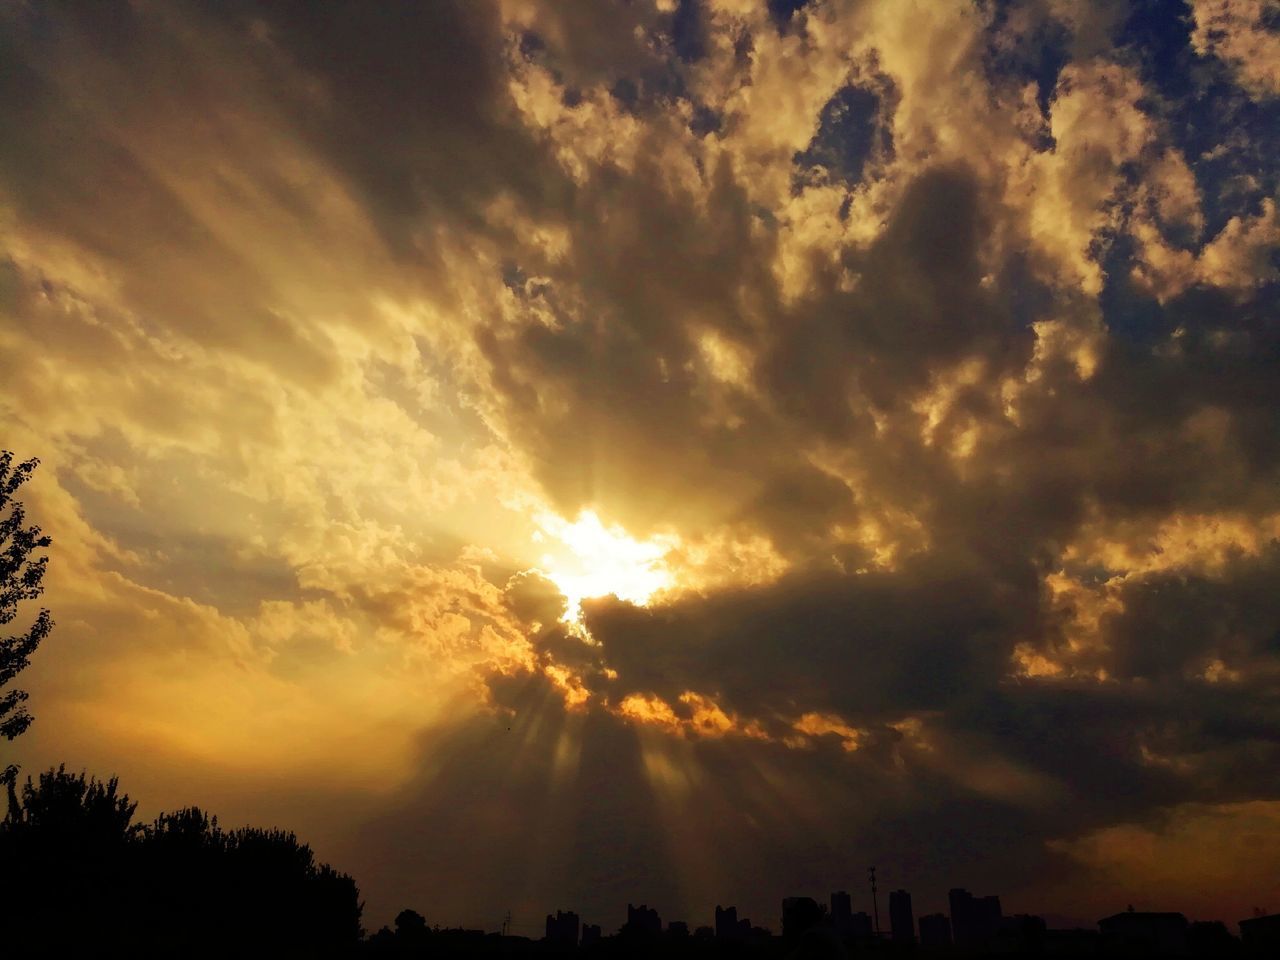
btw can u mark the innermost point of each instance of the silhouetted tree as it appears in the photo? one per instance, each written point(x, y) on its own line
point(67, 846)
point(411, 938)
point(410, 923)
point(381, 944)
point(314, 909)
point(21, 578)
point(80, 877)
point(412, 932)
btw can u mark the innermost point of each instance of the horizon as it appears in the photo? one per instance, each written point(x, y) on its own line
point(561, 453)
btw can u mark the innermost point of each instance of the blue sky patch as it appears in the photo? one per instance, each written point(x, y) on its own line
point(852, 130)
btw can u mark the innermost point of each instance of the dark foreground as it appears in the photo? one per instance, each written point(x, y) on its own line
point(78, 878)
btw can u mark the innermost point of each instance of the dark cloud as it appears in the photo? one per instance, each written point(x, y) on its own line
point(864, 646)
point(534, 598)
point(617, 388)
point(623, 391)
point(1177, 624)
point(409, 101)
point(918, 306)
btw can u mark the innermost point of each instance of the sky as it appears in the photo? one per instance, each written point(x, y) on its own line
point(560, 454)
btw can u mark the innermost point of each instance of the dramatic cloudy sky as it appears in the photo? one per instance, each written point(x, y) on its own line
point(552, 454)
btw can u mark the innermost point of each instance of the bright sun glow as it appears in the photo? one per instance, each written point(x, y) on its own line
point(587, 559)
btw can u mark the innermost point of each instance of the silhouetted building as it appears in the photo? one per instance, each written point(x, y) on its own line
point(841, 910)
point(799, 914)
point(975, 921)
point(642, 922)
point(729, 926)
point(901, 920)
point(590, 933)
point(1261, 935)
point(726, 922)
point(935, 930)
point(704, 933)
point(677, 928)
point(562, 929)
point(1164, 933)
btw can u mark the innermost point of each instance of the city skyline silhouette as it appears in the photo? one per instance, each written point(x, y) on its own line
point(183, 883)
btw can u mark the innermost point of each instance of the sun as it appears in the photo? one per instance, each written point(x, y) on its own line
point(587, 559)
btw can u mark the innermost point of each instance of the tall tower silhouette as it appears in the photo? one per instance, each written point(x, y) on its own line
point(901, 921)
point(875, 906)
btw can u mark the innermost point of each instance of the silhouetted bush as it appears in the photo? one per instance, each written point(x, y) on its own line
point(78, 876)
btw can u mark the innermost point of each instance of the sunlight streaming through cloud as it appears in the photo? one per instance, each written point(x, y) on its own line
point(587, 559)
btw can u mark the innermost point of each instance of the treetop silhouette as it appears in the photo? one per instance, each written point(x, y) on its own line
point(179, 886)
point(21, 578)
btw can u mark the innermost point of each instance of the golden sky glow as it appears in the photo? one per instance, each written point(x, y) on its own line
point(740, 439)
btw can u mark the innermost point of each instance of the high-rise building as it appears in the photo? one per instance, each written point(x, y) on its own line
point(841, 912)
point(642, 921)
point(677, 928)
point(975, 921)
point(590, 933)
point(562, 929)
point(935, 930)
point(729, 926)
point(901, 920)
point(841, 905)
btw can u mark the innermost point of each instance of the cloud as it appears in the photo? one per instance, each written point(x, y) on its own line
point(860, 645)
point(896, 393)
point(1126, 853)
point(1237, 31)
